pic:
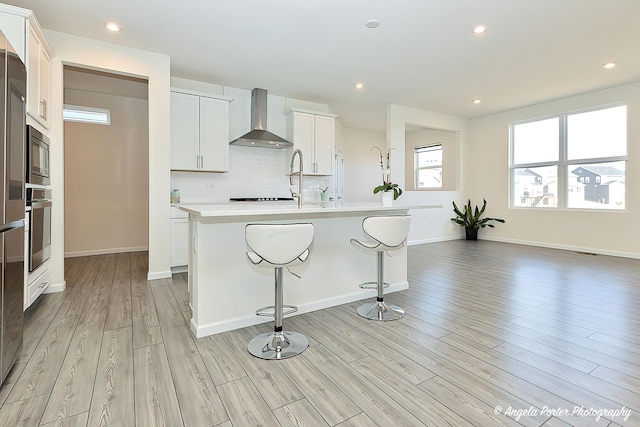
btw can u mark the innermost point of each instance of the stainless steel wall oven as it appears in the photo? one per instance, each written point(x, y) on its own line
point(40, 226)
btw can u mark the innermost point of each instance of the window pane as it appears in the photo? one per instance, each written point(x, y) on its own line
point(429, 156)
point(74, 113)
point(596, 186)
point(601, 133)
point(535, 142)
point(429, 178)
point(536, 187)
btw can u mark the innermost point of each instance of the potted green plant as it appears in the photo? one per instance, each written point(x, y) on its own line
point(324, 195)
point(470, 219)
point(387, 188)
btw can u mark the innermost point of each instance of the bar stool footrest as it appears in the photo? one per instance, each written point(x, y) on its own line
point(373, 285)
point(269, 311)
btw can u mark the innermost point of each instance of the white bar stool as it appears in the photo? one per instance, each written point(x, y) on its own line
point(389, 233)
point(277, 246)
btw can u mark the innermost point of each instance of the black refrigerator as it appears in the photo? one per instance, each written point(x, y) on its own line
point(13, 78)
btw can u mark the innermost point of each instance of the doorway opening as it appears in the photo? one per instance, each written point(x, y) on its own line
point(106, 163)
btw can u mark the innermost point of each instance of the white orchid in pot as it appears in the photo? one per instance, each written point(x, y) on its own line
point(389, 190)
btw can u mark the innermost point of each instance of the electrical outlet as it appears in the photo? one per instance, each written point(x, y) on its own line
point(210, 185)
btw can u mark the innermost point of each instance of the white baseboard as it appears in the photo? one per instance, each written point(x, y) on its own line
point(200, 331)
point(105, 251)
point(55, 287)
point(158, 275)
point(432, 240)
point(566, 247)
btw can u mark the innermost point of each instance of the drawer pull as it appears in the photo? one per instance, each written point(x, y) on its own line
point(43, 285)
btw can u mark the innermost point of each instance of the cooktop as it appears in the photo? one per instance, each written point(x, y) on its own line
point(261, 199)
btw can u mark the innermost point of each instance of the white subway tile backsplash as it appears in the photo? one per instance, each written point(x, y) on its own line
point(253, 172)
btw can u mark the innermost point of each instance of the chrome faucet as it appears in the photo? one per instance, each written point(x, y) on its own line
point(297, 195)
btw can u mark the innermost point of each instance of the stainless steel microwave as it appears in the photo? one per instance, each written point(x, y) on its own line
point(37, 157)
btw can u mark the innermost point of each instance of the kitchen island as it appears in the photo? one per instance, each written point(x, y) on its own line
point(225, 289)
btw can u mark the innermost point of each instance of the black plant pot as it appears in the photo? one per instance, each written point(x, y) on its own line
point(472, 233)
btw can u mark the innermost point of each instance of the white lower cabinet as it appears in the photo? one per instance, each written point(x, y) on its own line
point(38, 286)
point(179, 238)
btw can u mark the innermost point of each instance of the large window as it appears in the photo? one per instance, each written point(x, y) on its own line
point(428, 166)
point(573, 160)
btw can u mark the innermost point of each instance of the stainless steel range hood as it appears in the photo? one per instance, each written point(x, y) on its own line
point(259, 136)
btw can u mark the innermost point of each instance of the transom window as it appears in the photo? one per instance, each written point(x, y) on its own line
point(573, 160)
point(78, 113)
point(428, 166)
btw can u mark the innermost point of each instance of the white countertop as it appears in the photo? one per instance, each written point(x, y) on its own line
point(220, 210)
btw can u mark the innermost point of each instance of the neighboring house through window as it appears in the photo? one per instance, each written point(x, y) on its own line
point(428, 166)
point(572, 160)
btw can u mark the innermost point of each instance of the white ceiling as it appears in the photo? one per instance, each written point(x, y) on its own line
point(422, 55)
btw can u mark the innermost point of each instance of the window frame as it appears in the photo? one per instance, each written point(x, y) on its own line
point(562, 164)
point(417, 168)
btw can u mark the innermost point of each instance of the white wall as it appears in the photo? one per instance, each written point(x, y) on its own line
point(427, 225)
point(362, 166)
point(487, 176)
point(73, 50)
point(107, 177)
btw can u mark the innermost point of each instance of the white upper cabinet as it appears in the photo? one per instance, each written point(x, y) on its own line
point(313, 133)
point(214, 134)
point(185, 120)
point(199, 132)
point(38, 79)
point(25, 35)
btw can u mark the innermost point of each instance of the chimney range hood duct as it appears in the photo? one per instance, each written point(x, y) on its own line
point(259, 136)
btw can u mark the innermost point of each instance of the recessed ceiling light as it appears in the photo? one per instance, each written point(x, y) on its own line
point(372, 23)
point(609, 65)
point(477, 101)
point(479, 29)
point(112, 26)
point(359, 85)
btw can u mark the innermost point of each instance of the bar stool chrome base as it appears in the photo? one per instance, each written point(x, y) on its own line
point(379, 310)
point(278, 345)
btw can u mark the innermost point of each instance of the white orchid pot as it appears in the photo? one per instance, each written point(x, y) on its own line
point(387, 198)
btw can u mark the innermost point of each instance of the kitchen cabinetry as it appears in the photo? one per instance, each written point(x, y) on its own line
point(38, 78)
point(199, 132)
point(179, 237)
point(313, 133)
point(37, 287)
point(24, 33)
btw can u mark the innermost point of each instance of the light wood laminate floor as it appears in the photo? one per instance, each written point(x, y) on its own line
point(495, 334)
